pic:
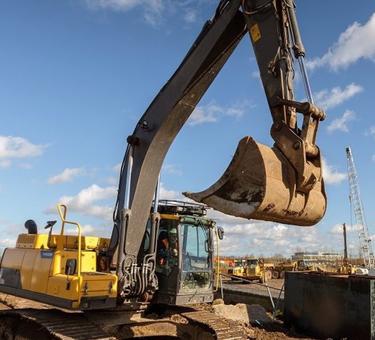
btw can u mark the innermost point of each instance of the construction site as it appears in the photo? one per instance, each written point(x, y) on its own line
point(167, 264)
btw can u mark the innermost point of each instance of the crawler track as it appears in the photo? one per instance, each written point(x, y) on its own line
point(222, 328)
point(54, 324)
point(48, 324)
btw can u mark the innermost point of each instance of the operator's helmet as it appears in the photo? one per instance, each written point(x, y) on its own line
point(173, 232)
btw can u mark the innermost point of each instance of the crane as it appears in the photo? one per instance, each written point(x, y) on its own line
point(365, 243)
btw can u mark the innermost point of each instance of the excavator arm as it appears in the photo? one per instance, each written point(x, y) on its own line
point(282, 183)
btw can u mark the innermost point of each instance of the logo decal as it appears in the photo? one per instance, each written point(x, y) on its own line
point(46, 254)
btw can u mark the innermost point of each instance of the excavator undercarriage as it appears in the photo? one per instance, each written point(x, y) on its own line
point(178, 323)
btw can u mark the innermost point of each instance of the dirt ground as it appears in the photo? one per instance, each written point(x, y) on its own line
point(275, 287)
point(267, 329)
point(264, 329)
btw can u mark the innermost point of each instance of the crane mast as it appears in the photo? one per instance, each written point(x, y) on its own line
point(357, 206)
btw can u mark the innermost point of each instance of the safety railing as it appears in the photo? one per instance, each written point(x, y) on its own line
point(62, 209)
point(275, 306)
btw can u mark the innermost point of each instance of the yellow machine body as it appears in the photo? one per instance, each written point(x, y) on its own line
point(257, 270)
point(53, 269)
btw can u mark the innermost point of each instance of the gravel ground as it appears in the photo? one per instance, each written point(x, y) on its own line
point(255, 288)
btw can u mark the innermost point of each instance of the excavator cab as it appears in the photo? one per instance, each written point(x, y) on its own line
point(184, 255)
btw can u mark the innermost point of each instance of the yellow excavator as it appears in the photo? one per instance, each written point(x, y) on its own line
point(160, 254)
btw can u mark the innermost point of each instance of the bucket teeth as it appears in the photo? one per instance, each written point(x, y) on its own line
point(260, 183)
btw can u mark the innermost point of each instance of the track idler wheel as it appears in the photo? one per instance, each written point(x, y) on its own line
point(260, 183)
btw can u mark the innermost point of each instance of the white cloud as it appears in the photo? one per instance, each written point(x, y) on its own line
point(331, 175)
point(166, 194)
point(190, 16)
point(373, 158)
point(255, 75)
point(154, 11)
point(341, 123)
point(204, 114)
point(372, 131)
point(96, 201)
point(86, 229)
point(126, 5)
point(245, 237)
point(355, 43)
point(241, 236)
point(86, 202)
point(338, 228)
point(67, 175)
point(336, 96)
point(7, 242)
point(8, 233)
point(212, 112)
point(172, 169)
point(17, 148)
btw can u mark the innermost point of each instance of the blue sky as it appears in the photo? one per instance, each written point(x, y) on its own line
point(77, 74)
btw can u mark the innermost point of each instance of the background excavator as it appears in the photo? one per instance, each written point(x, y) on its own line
point(161, 252)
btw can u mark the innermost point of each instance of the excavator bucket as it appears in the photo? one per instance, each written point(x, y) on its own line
point(260, 183)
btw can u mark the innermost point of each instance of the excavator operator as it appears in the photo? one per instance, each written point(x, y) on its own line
point(167, 247)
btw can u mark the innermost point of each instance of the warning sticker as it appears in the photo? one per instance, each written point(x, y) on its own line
point(255, 33)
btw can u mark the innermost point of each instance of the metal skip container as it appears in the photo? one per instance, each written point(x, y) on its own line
point(260, 183)
point(330, 306)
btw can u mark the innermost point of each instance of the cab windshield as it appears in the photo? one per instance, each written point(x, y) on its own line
point(238, 263)
point(252, 263)
point(196, 266)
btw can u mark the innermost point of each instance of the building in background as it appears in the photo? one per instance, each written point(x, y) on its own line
point(321, 257)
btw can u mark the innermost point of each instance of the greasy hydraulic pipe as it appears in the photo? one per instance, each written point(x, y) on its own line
point(155, 219)
point(298, 48)
point(157, 195)
point(125, 212)
point(305, 78)
point(128, 177)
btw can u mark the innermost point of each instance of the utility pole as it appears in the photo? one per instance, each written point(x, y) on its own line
point(357, 206)
point(345, 262)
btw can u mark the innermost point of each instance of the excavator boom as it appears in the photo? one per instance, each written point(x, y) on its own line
point(282, 184)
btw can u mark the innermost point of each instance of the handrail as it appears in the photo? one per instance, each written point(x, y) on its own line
point(62, 216)
point(62, 209)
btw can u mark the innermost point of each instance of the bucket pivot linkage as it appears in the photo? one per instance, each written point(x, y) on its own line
point(280, 184)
